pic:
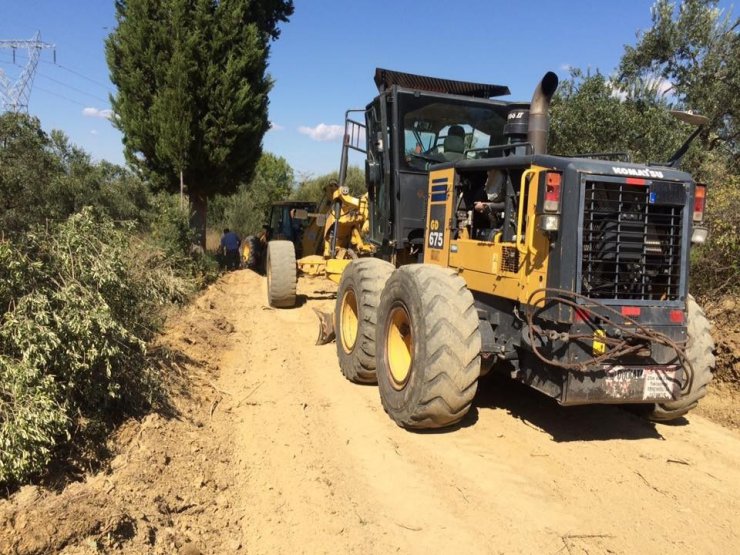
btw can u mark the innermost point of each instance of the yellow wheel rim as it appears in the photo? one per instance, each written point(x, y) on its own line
point(349, 321)
point(399, 348)
point(245, 253)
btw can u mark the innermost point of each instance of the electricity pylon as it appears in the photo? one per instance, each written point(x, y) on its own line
point(15, 95)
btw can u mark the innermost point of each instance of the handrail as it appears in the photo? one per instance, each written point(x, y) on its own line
point(522, 246)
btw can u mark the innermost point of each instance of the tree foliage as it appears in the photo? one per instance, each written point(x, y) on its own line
point(193, 88)
point(589, 114)
point(313, 188)
point(247, 209)
point(696, 47)
point(44, 178)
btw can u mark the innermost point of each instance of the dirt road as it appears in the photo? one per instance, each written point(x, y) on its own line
point(269, 450)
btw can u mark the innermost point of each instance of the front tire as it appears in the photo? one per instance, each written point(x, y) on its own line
point(282, 274)
point(355, 317)
point(428, 347)
point(700, 351)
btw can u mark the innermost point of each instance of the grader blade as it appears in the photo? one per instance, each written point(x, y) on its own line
point(326, 327)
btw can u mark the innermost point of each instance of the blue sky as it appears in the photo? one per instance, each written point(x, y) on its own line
point(324, 61)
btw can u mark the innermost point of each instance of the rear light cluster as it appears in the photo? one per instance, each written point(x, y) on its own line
point(700, 232)
point(550, 220)
point(552, 192)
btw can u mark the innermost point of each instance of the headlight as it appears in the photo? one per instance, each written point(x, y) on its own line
point(699, 235)
point(548, 222)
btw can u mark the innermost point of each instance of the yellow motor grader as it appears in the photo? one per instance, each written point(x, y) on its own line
point(333, 237)
point(485, 253)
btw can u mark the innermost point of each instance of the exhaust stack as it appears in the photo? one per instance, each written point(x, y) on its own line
point(539, 122)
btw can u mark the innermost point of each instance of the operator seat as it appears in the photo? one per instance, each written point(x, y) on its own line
point(454, 143)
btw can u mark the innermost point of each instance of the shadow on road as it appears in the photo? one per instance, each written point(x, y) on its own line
point(580, 423)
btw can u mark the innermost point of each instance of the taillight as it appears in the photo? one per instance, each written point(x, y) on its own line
point(552, 192)
point(700, 197)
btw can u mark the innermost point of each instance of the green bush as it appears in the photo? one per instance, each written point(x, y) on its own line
point(716, 264)
point(82, 300)
point(171, 232)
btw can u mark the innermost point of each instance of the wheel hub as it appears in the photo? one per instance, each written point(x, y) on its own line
point(399, 348)
point(349, 321)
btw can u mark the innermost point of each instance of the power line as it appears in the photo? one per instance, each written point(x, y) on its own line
point(60, 96)
point(78, 74)
point(73, 88)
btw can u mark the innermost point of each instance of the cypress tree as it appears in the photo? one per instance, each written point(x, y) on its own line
point(193, 90)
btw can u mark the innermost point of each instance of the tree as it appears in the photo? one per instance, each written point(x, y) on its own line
point(247, 209)
point(27, 166)
point(312, 189)
point(44, 178)
point(193, 90)
point(697, 49)
point(590, 114)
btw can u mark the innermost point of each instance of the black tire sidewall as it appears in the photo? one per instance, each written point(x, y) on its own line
point(349, 282)
point(281, 274)
point(252, 261)
point(401, 290)
point(358, 364)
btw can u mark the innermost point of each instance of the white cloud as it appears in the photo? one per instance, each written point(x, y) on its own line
point(93, 132)
point(105, 113)
point(323, 132)
point(566, 67)
point(276, 126)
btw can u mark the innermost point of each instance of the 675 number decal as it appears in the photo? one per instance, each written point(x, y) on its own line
point(436, 237)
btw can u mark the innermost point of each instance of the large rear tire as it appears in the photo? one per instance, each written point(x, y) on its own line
point(700, 351)
point(428, 347)
point(251, 252)
point(282, 274)
point(355, 317)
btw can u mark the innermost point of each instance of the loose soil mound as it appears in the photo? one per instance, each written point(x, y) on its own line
point(723, 402)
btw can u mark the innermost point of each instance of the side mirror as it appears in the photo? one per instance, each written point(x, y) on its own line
point(300, 214)
point(321, 220)
point(690, 117)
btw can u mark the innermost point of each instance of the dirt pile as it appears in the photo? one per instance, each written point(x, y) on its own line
point(168, 482)
point(722, 404)
point(725, 317)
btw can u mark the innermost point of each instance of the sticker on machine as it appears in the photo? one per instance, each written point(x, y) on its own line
point(661, 383)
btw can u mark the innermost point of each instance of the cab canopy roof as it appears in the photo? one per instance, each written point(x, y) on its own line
point(386, 78)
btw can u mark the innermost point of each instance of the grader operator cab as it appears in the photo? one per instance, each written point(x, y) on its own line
point(568, 273)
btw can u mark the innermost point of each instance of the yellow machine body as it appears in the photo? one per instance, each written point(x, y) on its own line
point(342, 216)
point(512, 270)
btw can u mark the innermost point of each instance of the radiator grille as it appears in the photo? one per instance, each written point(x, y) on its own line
point(631, 247)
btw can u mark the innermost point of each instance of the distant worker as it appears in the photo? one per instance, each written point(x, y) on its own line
point(230, 244)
